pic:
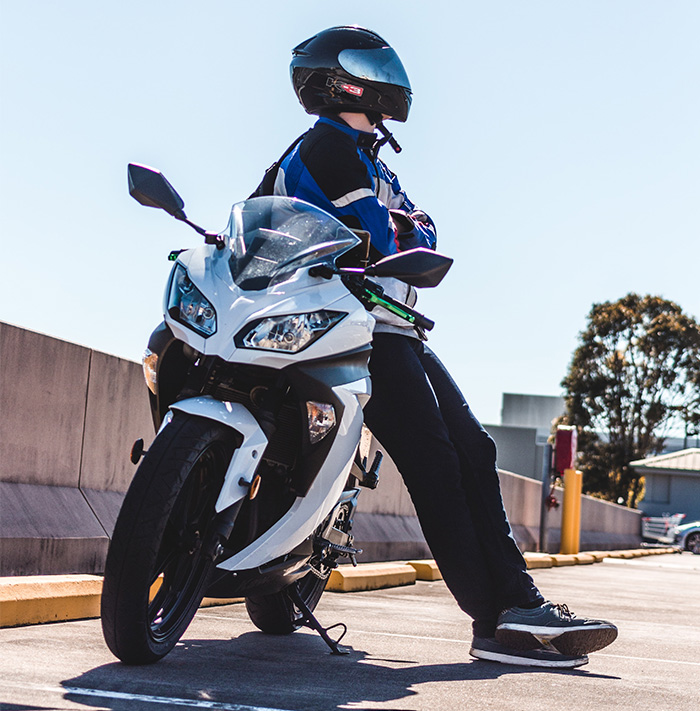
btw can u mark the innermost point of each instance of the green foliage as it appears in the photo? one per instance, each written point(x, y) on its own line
point(634, 378)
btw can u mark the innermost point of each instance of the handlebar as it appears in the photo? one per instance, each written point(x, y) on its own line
point(372, 294)
point(397, 307)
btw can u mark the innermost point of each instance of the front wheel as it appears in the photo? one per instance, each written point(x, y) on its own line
point(159, 560)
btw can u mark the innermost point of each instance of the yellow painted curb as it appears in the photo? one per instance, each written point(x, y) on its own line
point(560, 559)
point(48, 598)
point(34, 599)
point(51, 598)
point(425, 569)
point(538, 560)
point(370, 576)
point(216, 601)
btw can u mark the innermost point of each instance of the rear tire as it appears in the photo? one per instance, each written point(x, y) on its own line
point(163, 533)
point(277, 614)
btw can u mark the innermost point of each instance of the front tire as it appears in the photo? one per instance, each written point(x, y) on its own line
point(159, 560)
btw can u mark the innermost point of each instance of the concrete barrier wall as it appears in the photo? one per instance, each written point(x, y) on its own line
point(604, 526)
point(68, 418)
point(388, 514)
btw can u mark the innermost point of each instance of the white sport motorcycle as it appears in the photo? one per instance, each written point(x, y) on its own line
point(257, 380)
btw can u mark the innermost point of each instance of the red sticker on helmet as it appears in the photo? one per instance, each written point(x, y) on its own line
point(351, 89)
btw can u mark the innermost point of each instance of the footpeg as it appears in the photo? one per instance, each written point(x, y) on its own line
point(345, 550)
point(137, 451)
point(370, 477)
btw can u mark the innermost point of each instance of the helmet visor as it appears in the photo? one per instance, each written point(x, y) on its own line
point(382, 65)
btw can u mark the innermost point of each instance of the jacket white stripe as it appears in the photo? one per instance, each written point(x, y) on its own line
point(353, 196)
point(280, 187)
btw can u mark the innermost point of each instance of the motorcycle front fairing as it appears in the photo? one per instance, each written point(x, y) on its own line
point(235, 308)
point(331, 369)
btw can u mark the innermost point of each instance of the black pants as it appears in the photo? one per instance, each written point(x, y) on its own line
point(448, 462)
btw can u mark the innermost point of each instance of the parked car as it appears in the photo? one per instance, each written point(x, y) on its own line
point(687, 536)
point(661, 529)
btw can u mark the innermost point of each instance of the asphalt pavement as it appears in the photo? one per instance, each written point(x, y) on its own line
point(409, 650)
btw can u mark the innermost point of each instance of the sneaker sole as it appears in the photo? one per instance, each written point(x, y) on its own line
point(572, 641)
point(525, 662)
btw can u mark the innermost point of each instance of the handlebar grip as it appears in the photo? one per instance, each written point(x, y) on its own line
point(374, 293)
point(424, 322)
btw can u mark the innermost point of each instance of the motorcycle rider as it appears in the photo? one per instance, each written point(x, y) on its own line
point(354, 81)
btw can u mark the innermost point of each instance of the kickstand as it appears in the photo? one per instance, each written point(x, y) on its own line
point(308, 620)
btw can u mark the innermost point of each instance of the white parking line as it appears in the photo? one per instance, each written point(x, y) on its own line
point(464, 641)
point(652, 562)
point(145, 698)
point(412, 636)
point(353, 632)
point(647, 659)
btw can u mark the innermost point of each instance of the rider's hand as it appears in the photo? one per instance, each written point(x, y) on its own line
point(403, 222)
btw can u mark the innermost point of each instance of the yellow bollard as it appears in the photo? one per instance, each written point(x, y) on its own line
point(571, 512)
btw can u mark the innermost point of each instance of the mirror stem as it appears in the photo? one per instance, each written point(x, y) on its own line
point(209, 237)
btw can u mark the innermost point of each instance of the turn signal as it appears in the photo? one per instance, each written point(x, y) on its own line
point(150, 368)
point(321, 417)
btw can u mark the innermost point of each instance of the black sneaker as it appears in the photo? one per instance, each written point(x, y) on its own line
point(492, 651)
point(554, 626)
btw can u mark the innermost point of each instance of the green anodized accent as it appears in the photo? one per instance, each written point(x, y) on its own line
point(373, 298)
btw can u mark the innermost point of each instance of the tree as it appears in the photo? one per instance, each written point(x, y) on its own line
point(634, 378)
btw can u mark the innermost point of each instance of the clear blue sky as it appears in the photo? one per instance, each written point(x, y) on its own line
point(556, 144)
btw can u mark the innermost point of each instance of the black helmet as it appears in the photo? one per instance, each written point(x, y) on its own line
point(350, 69)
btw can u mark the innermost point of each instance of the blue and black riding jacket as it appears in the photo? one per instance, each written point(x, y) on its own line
point(335, 167)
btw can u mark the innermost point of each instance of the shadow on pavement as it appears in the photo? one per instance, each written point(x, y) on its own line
point(288, 672)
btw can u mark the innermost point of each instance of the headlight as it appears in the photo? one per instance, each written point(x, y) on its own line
point(188, 305)
point(288, 333)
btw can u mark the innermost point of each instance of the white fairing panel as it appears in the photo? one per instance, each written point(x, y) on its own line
point(361, 389)
point(309, 511)
point(235, 308)
point(246, 458)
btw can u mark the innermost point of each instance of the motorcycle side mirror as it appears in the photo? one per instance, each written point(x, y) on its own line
point(418, 267)
point(149, 187)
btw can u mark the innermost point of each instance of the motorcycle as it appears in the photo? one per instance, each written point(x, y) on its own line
point(257, 377)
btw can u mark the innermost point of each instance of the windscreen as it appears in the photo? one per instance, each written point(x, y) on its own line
point(270, 237)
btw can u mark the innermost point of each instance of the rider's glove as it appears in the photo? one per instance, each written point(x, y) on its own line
point(403, 222)
point(406, 229)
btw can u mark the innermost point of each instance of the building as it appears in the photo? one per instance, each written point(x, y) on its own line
point(672, 483)
point(526, 424)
